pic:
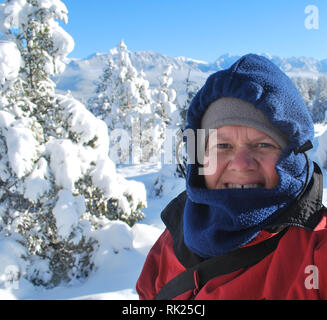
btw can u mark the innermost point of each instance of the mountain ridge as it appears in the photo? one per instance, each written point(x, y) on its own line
point(81, 73)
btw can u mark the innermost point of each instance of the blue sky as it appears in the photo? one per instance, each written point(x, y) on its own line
point(199, 29)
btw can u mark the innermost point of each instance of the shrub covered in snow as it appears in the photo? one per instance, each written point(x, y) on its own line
point(57, 183)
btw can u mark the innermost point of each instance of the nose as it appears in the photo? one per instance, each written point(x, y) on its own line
point(242, 160)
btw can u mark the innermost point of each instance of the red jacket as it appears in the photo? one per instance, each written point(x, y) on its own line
point(296, 269)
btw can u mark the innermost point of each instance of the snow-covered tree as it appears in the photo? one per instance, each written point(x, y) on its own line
point(57, 182)
point(307, 88)
point(132, 107)
point(319, 107)
point(321, 150)
point(191, 88)
point(100, 103)
point(164, 107)
point(43, 45)
point(169, 123)
point(123, 101)
point(164, 96)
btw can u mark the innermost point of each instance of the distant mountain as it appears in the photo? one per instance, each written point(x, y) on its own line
point(80, 74)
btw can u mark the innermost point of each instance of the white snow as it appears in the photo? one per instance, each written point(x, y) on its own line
point(10, 265)
point(22, 147)
point(67, 212)
point(10, 61)
point(37, 183)
point(64, 162)
point(15, 14)
point(65, 44)
point(84, 124)
point(6, 119)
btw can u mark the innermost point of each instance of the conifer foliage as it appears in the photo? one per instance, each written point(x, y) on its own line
point(57, 183)
point(314, 94)
point(124, 101)
point(319, 107)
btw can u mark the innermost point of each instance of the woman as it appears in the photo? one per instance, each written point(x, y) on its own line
point(251, 224)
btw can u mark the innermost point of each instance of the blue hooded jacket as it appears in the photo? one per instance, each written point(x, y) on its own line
point(218, 221)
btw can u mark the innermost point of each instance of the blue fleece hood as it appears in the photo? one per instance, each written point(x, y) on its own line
point(218, 221)
point(258, 81)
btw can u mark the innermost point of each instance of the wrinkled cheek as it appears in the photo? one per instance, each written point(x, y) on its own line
point(212, 173)
point(210, 168)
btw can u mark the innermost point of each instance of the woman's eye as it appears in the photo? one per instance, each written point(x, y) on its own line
point(265, 145)
point(223, 146)
point(219, 147)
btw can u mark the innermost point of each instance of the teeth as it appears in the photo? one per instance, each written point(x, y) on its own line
point(243, 186)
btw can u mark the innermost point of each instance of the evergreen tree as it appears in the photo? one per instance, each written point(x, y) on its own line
point(307, 88)
point(56, 181)
point(123, 101)
point(165, 96)
point(164, 107)
point(191, 88)
point(100, 103)
point(170, 123)
point(319, 107)
point(132, 108)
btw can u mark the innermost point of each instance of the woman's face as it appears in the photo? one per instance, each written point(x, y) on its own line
point(240, 157)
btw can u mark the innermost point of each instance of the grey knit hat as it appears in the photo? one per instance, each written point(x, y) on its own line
point(233, 111)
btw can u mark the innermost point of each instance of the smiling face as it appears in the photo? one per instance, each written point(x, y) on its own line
point(240, 157)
